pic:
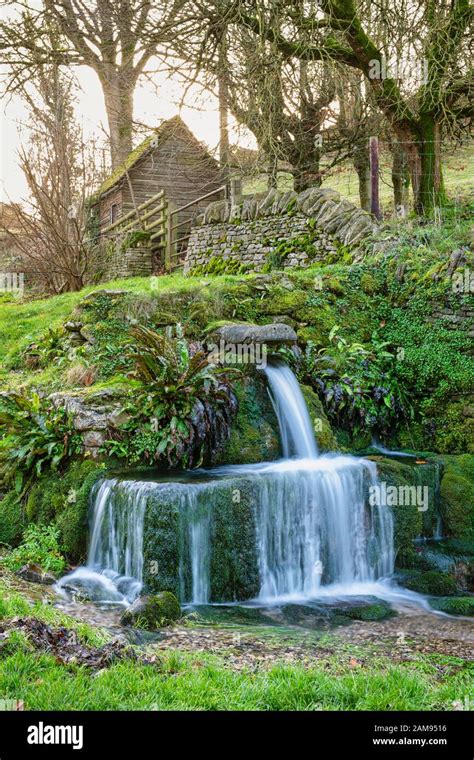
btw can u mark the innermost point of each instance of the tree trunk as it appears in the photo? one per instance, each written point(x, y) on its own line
point(422, 145)
point(361, 161)
point(304, 178)
point(400, 178)
point(431, 190)
point(223, 94)
point(118, 97)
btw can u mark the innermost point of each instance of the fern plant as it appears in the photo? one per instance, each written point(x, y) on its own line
point(183, 404)
point(36, 437)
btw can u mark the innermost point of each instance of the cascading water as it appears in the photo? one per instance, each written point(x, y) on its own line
point(312, 528)
point(296, 432)
point(114, 567)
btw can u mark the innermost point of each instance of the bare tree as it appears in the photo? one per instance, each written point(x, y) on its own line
point(115, 39)
point(418, 109)
point(52, 239)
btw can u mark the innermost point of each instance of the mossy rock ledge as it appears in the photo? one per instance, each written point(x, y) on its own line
point(152, 611)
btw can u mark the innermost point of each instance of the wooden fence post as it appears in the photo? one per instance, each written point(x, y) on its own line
point(374, 177)
point(169, 236)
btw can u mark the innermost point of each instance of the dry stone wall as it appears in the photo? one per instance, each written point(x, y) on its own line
point(252, 231)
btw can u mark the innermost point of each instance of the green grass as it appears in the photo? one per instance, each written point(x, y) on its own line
point(179, 681)
point(25, 322)
point(13, 604)
point(185, 682)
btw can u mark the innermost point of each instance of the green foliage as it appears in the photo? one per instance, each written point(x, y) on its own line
point(174, 378)
point(217, 265)
point(40, 546)
point(50, 348)
point(39, 437)
point(357, 384)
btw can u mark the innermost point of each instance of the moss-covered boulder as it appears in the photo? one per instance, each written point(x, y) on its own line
point(254, 436)
point(368, 610)
point(457, 496)
point(454, 605)
point(430, 582)
point(152, 612)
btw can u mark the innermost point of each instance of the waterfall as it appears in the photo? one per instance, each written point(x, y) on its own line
point(114, 569)
point(296, 431)
point(311, 527)
point(314, 526)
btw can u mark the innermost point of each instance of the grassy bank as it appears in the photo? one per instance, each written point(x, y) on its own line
point(173, 680)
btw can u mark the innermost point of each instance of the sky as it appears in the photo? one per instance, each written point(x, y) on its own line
point(153, 103)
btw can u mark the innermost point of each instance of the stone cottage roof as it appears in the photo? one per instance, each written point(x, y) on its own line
point(149, 144)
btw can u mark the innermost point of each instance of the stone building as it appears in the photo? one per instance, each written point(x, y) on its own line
point(171, 160)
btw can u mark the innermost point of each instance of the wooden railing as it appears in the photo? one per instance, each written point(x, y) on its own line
point(153, 220)
point(179, 230)
point(170, 232)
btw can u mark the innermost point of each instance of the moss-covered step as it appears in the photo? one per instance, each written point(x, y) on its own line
point(457, 495)
point(454, 605)
point(225, 511)
point(411, 520)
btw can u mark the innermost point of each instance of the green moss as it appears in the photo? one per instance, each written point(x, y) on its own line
point(163, 545)
point(457, 496)
point(461, 605)
point(153, 612)
point(283, 301)
point(234, 560)
point(229, 509)
point(322, 429)
point(408, 520)
point(254, 435)
point(369, 284)
point(430, 582)
point(63, 498)
point(334, 285)
point(12, 519)
point(377, 610)
point(452, 425)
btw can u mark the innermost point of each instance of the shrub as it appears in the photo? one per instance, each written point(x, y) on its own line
point(182, 406)
point(39, 437)
point(40, 546)
point(357, 384)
